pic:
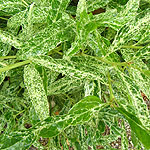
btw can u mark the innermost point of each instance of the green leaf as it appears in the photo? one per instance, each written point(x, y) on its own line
point(11, 7)
point(143, 53)
point(133, 91)
point(141, 132)
point(57, 9)
point(98, 43)
point(64, 85)
point(4, 49)
point(17, 140)
point(116, 20)
point(79, 114)
point(94, 5)
point(47, 39)
point(90, 69)
point(134, 30)
point(7, 38)
point(84, 26)
point(35, 87)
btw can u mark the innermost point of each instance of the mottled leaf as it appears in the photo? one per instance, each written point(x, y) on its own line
point(7, 38)
point(35, 87)
point(90, 69)
point(47, 39)
point(79, 114)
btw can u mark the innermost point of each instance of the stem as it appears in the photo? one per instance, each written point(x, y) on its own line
point(2, 64)
point(7, 57)
point(109, 62)
point(110, 88)
point(3, 18)
point(14, 66)
point(134, 47)
point(25, 2)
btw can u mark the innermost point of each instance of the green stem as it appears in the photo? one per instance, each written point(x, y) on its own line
point(14, 66)
point(2, 64)
point(7, 57)
point(25, 3)
point(3, 18)
point(109, 62)
point(110, 88)
point(134, 47)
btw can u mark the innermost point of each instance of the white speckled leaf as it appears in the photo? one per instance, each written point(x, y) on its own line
point(84, 26)
point(134, 95)
point(56, 9)
point(115, 20)
point(98, 43)
point(90, 69)
point(80, 113)
point(34, 85)
point(7, 38)
point(134, 30)
point(64, 85)
point(93, 5)
point(143, 53)
point(47, 39)
point(11, 7)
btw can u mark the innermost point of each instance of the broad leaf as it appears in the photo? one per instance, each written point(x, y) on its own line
point(11, 7)
point(84, 26)
point(64, 85)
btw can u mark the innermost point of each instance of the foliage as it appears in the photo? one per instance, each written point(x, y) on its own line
point(69, 71)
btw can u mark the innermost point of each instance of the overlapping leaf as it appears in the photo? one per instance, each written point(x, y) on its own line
point(84, 26)
point(57, 7)
point(79, 114)
point(115, 20)
point(17, 140)
point(47, 39)
point(94, 5)
point(64, 85)
point(135, 97)
point(132, 31)
point(90, 69)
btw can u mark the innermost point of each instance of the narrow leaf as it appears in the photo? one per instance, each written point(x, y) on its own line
point(36, 91)
point(141, 132)
point(90, 69)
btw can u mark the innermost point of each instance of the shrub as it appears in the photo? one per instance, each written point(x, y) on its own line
point(74, 74)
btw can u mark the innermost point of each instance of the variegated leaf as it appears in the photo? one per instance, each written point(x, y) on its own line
point(94, 5)
point(7, 38)
point(116, 20)
point(47, 39)
point(90, 69)
point(17, 140)
point(64, 85)
point(35, 87)
point(11, 7)
point(84, 26)
point(134, 95)
point(137, 127)
point(79, 114)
